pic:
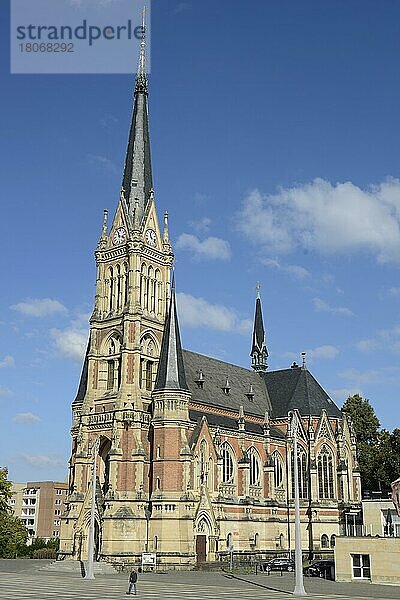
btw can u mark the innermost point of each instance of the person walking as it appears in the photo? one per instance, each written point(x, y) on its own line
point(133, 577)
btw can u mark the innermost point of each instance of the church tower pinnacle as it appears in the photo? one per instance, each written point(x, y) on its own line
point(259, 352)
point(137, 182)
point(171, 372)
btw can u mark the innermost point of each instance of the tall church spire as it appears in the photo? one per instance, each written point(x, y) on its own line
point(171, 372)
point(138, 180)
point(259, 352)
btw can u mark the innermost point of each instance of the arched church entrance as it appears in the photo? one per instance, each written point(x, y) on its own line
point(202, 533)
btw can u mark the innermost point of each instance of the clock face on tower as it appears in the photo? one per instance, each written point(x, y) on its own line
point(119, 236)
point(151, 237)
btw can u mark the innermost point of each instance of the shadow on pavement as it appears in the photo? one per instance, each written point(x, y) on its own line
point(266, 587)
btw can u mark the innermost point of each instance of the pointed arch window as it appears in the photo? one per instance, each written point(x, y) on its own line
point(324, 541)
point(149, 375)
point(111, 289)
point(278, 470)
point(227, 464)
point(303, 474)
point(325, 473)
point(203, 462)
point(126, 283)
point(254, 467)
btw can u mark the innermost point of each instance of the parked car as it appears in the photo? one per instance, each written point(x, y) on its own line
point(321, 568)
point(279, 564)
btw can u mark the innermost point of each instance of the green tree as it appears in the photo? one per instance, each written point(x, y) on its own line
point(5, 490)
point(378, 451)
point(13, 534)
point(366, 427)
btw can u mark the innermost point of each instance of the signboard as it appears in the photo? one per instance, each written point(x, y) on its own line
point(149, 559)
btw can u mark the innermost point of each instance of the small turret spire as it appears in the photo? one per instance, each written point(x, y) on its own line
point(171, 372)
point(259, 352)
point(166, 233)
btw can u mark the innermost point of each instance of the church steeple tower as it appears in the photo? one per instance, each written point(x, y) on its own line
point(134, 260)
point(259, 352)
point(137, 182)
point(171, 372)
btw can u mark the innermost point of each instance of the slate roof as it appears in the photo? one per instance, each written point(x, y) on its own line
point(297, 388)
point(171, 372)
point(229, 423)
point(275, 391)
point(258, 331)
point(216, 372)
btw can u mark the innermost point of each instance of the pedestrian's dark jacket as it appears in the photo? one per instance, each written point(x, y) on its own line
point(133, 577)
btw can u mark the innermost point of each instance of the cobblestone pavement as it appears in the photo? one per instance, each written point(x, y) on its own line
point(26, 581)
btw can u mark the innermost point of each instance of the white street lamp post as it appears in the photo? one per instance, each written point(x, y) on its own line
point(299, 586)
point(90, 573)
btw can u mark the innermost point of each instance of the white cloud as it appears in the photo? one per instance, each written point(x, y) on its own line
point(385, 339)
point(331, 219)
point(26, 418)
point(201, 225)
point(340, 395)
point(197, 312)
point(211, 247)
point(321, 352)
point(39, 307)
point(326, 351)
point(322, 306)
point(297, 271)
point(384, 375)
point(394, 292)
point(102, 162)
point(8, 361)
point(71, 342)
point(42, 461)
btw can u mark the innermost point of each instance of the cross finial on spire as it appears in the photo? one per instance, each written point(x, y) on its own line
point(141, 77)
point(258, 288)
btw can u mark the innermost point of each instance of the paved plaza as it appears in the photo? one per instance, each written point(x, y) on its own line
point(28, 579)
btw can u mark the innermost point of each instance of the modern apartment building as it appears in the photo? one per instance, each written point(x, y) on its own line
point(40, 505)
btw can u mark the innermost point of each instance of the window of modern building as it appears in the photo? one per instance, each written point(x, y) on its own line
point(227, 464)
point(59, 492)
point(325, 473)
point(361, 566)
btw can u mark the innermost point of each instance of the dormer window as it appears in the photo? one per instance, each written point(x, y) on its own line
point(250, 393)
point(227, 388)
point(200, 380)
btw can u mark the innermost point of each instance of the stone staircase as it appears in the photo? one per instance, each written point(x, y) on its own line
point(78, 567)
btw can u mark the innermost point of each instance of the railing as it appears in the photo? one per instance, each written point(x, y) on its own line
point(227, 489)
point(280, 495)
point(101, 418)
point(255, 492)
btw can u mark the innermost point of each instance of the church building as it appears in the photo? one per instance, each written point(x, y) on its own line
point(195, 454)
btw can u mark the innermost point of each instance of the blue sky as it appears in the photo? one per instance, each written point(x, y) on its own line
point(275, 147)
